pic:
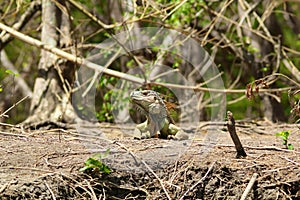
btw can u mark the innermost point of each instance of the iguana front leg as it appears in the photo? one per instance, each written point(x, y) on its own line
point(177, 133)
point(142, 131)
point(170, 131)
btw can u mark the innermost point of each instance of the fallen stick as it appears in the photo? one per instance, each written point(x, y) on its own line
point(51, 192)
point(4, 187)
point(198, 182)
point(249, 186)
point(12, 134)
point(159, 180)
point(237, 143)
point(294, 162)
point(267, 148)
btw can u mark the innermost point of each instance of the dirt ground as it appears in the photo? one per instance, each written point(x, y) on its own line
point(44, 164)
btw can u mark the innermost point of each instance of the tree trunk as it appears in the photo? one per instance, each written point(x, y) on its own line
point(51, 94)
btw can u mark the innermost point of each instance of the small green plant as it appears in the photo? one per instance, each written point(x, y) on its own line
point(95, 164)
point(284, 136)
point(104, 106)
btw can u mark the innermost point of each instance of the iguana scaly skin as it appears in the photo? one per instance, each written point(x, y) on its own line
point(158, 123)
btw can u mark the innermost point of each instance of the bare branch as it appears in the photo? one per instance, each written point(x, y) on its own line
point(128, 77)
point(5, 38)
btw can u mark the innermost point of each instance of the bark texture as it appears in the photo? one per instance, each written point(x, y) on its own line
point(51, 95)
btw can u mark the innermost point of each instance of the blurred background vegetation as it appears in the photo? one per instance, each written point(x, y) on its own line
point(251, 42)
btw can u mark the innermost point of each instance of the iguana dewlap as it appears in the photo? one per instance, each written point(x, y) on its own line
point(158, 123)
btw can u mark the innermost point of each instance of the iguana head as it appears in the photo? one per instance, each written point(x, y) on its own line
point(149, 103)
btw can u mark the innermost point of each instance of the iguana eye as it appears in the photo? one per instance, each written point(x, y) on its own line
point(154, 98)
point(145, 93)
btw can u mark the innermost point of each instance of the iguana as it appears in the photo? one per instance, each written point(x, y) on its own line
point(159, 123)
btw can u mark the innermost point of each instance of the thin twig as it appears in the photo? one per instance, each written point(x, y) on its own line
point(130, 152)
point(26, 168)
point(94, 79)
point(6, 124)
point(249, 186)
point(272, 148)
point(267, 148)
point(285, 76)
point(215, 21)
point(78, 184)
point(219, 90)
point(12, 134)
point(280, 184)
point(51, 192)
point(94, 197)
point(198, 182)
point(110, 26)
point(14, 106)
point(160, 181)
point(172, 11)
point(294, 162)
point(24, 19)
point(6, 185)
point(93, 17)
point(236, 23)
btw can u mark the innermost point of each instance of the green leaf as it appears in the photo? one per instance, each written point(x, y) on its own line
point(283, 134)
point(106, 96)
point(11, 73)
point(92, 162)
point(106, 169)
point(264, 69)
point(156, 48)
point(290, 147)
point(95, 162)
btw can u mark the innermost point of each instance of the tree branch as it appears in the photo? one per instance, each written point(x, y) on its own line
point(33, 8)
point(121, 75)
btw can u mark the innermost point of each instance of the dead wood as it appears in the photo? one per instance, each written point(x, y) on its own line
point(231, 128)
point(249, 186)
